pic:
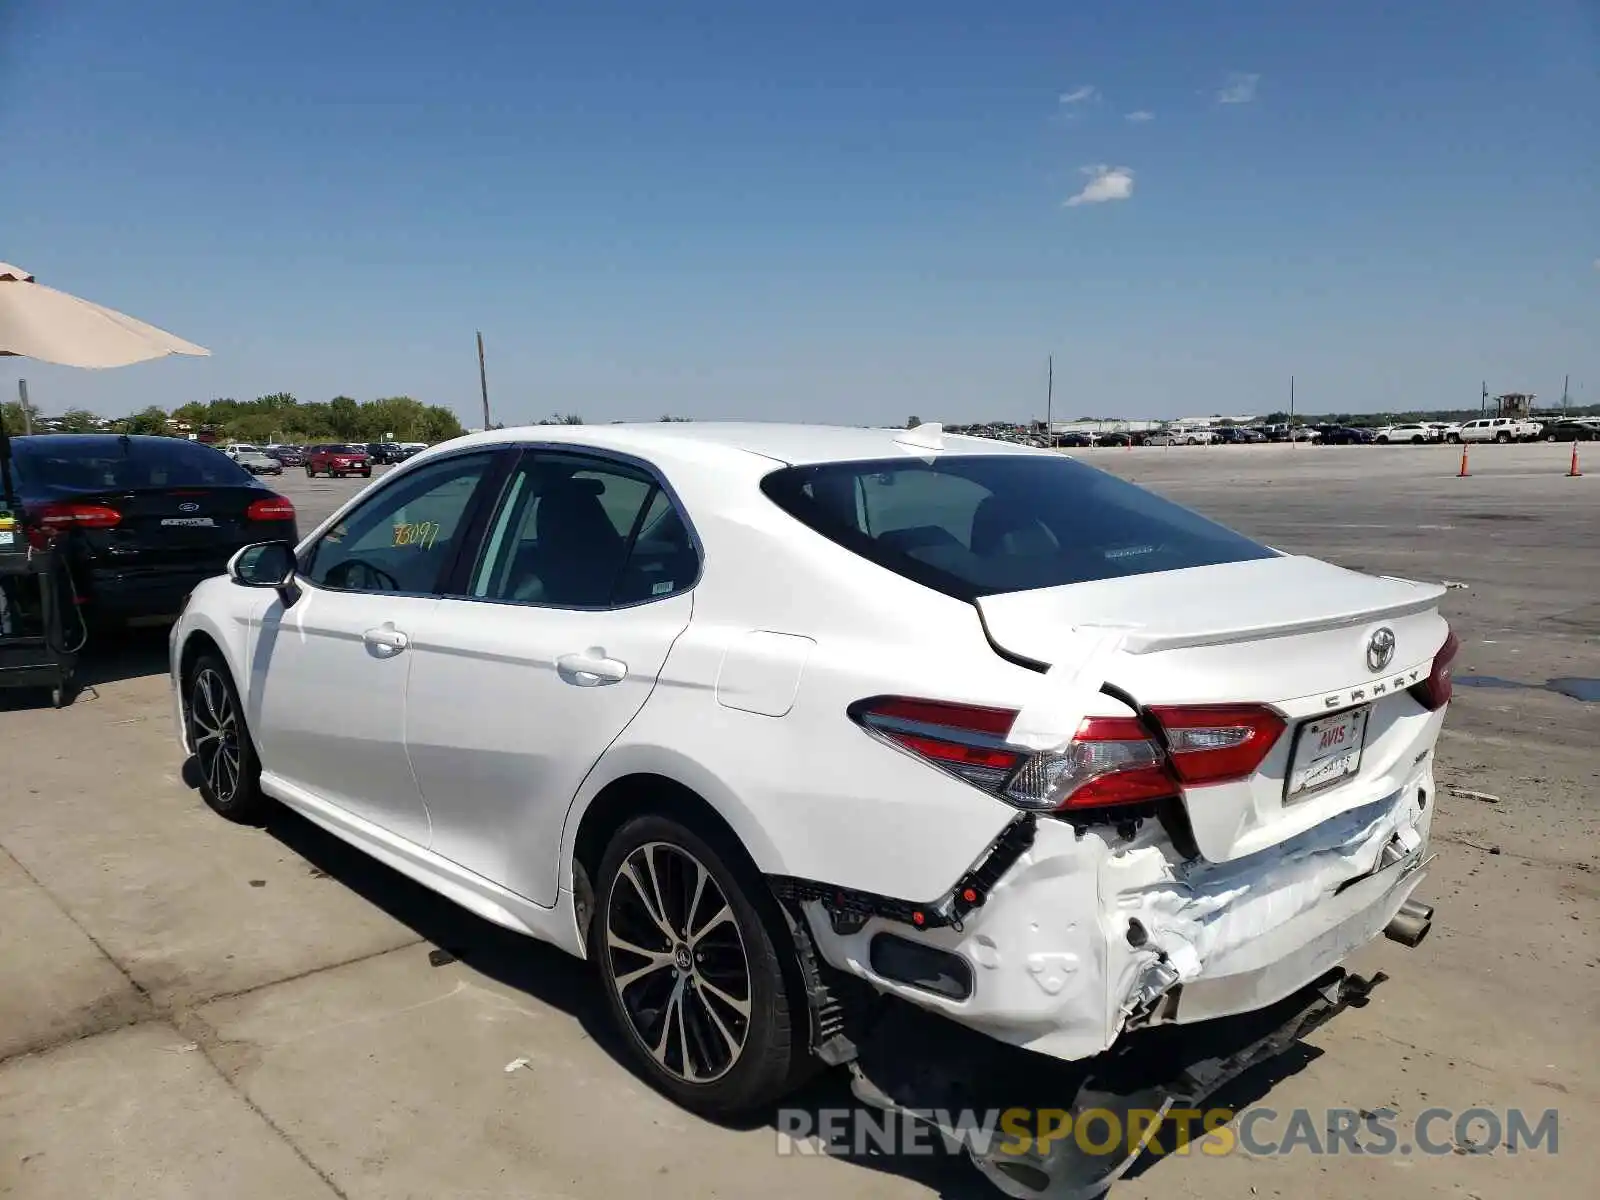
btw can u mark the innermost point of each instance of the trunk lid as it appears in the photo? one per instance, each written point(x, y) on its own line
point(1288, 632)
point(173, 527)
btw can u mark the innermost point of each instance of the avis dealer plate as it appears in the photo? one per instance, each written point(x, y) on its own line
point(200, 522)
point(1327, 750)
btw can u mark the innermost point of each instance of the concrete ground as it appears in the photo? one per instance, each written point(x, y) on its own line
point(189, 1008)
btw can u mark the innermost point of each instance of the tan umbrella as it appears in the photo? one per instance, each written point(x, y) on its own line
point(40, 322)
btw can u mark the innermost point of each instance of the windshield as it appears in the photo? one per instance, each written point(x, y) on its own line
point(99, 464)
point(972, 526)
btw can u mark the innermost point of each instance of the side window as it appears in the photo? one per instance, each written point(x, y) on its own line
point(402, 539)
point(577, 532)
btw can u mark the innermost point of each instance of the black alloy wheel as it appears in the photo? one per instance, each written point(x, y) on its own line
point(229, 770)
point(692, 972)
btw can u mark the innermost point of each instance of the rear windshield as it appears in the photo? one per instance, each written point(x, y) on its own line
point(103, 464)
point(978, 525)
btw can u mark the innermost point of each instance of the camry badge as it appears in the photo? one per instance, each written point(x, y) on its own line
point(1380, 649)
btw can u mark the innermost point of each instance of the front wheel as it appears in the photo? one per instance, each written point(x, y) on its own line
point(230, 772)
point(692, 969)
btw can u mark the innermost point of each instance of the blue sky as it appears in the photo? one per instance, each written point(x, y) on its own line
point(821, 211)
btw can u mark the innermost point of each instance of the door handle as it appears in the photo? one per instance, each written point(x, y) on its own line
point(591, 668)
point(386, 637)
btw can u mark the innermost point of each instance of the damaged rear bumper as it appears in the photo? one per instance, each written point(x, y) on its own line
point(1089, 933)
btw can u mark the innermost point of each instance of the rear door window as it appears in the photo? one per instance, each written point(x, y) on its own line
point(574, 531)
point(977, 525)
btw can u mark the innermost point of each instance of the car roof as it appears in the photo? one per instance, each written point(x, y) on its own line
point(790, 444)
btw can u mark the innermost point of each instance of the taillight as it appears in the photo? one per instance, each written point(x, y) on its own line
point(1217, 743)
point(274, 508)
point(66, 515)
point(966, 739)
point(1110, 761)
point(1434, 692)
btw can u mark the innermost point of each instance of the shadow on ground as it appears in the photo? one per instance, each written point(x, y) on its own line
point(555, 978)
point(108, 656)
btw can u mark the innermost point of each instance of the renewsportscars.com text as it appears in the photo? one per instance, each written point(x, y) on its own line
point(1257, 1131)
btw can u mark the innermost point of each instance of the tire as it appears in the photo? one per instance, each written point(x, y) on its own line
point(1454, 439)
point(310, 474)
point(366, 474)
point(214, 720)
point(1502, 438)
point(693, 1058)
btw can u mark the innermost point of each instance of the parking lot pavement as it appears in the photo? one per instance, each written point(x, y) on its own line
point(189, 1008)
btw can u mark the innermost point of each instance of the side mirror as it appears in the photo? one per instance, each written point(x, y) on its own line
point(266, 565)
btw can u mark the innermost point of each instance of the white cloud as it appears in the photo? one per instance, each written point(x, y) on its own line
point(1105, 184)
point(1079, 94)
point(1240, 88)
point(1142, 114)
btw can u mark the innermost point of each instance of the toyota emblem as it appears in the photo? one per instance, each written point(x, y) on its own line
point(188, 506)
point(1380, 649)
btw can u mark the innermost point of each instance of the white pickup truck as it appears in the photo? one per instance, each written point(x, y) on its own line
point(1500, 429)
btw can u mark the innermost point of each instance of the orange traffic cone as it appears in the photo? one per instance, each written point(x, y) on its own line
point(1463, 473)
point(1572, 471)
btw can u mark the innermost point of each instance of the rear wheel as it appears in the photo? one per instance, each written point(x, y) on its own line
point(692, 970)
point(230, 773)
point(310, 474)
point(1502, 438)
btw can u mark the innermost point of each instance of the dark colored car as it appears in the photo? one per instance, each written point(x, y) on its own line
point(289, 456)
point(1345, 435)
point(1238, 435)
point(338, 460)
point(1073, 440)
point(1121, 439)
point(385, 452)
point(141, 520)
point(1571, 431)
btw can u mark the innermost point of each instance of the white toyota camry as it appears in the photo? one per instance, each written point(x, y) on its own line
point(804, 733)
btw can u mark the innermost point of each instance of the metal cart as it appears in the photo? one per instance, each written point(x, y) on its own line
point(34, 606)
point(35, 651)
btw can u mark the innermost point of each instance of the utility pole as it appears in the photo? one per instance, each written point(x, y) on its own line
point(27, 409)
point(1291, 412)
point(1049, 403)
point(483, 381)
point(1565, 380)
point(1483, 404)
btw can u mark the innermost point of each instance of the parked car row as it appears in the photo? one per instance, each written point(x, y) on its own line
point(1416, 433)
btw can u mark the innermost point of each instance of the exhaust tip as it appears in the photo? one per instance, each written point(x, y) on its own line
point(1411, 924)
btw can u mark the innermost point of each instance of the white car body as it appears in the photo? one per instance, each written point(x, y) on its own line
point(1499, 429)
point(1413, 432)
point(464, 742)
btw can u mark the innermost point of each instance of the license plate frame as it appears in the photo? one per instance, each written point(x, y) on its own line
point(1310, 773)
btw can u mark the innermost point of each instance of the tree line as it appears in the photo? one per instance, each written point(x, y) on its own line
point(279, 417)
